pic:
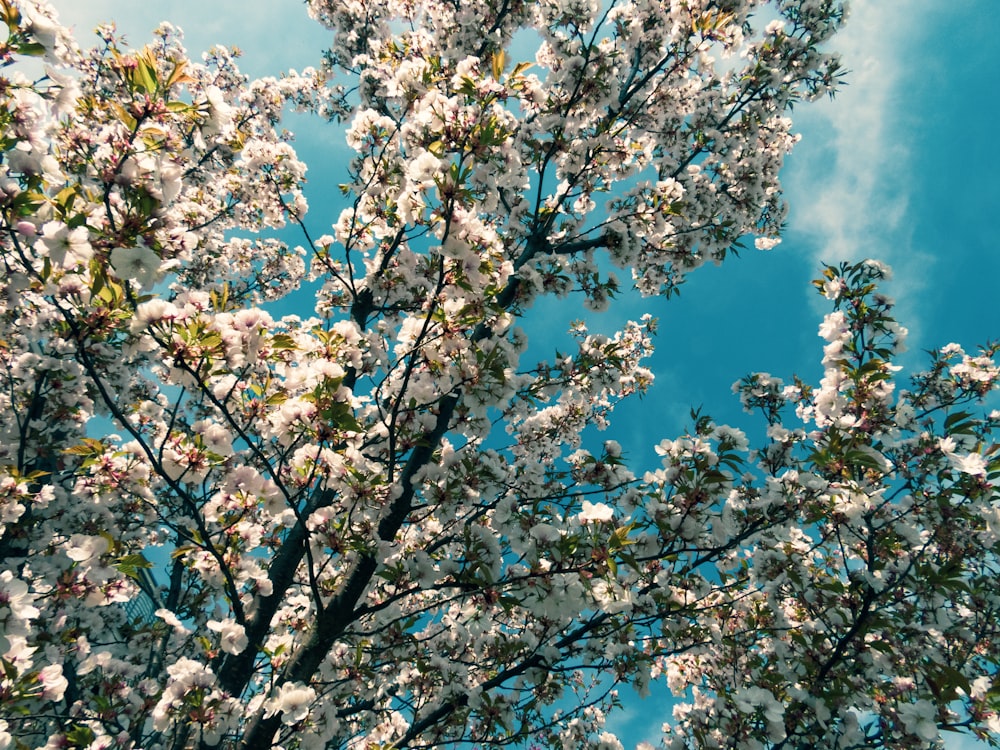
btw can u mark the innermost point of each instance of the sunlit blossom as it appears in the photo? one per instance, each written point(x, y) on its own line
point(595, 512)
point(353, 506)
point(137, 263)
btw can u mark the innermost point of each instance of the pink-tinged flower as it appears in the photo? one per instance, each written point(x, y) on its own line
point(233, 637)
point(834, 326)
point(153, 311)
point(216, 437)
point(53, 682)
point(292, 702)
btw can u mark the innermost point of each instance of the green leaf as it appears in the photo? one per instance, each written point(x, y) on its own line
point(98, 282)
point(130, 564)
point(87, 447)
point(863, 459)
point(123, 115)
point(960, 423)
point(957, 416)
point(282, 341)
point(520, 68)
point(220, 298)
point(499, 57)
point(80, 735)
point(945, 682)
point(10, 16)
point(145, 71)
point(340, 416)
point(178, 75)
point(66, 197)
point(31, 49)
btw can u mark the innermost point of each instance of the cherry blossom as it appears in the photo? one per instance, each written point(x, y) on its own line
point(385, 520)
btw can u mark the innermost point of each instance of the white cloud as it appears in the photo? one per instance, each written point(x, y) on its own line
point(851, 173)
point(274, 36)
point(851, 179)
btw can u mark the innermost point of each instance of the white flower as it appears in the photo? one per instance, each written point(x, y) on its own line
point(595, 512)
point(544, 532)
point(980, 686)
point(736, 437)
point(220, 113)
point(58, 241)
point(292, 702)
point(81, 547)
point(833, 288)
point(946, 445)
point(918, 718)
point(834, 326)
point(775, 28)
point(880, 268)
point(139, 263)
point(54, 684)
point(170, 182)
point(14, 595)
point(216, 437)
point(424, 168)
point(68, 92)
point(43, 28)
point(153, 311)
point(234, 638)
point(186, 676)
point(172, 620)
point(972, 463)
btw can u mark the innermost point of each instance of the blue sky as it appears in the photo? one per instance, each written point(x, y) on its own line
point(901, 166)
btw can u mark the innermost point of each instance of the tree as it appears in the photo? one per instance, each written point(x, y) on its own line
point(378, 525)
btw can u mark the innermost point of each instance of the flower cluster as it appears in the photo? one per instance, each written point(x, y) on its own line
point(382, 521)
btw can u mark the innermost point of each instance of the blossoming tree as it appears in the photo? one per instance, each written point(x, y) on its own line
point(376, 526)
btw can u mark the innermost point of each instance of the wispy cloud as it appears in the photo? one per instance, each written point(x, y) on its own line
point(852, 170)
point(274, 36)
point(852, 177)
